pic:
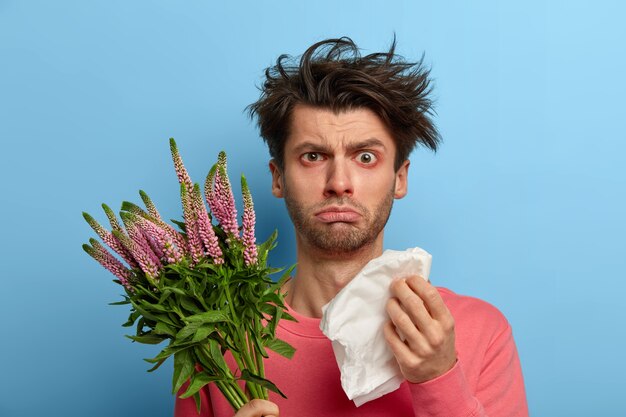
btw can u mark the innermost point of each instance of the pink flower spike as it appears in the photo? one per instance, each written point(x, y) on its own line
point(115, 225)
point(221, 199)
point(172, 253)
point(162, 237)
point(150, 235)
point(156, 247)
point(205, 229)
point(111, 241)
point(138, 236)
point(176, 236)
point(150, 205)
point(248, 238)
point(181, 172)
point(100, 254)
point(209, 193)
point(145, 261)
point(191, 228)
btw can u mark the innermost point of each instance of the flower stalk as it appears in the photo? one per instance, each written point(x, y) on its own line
point(249, 219)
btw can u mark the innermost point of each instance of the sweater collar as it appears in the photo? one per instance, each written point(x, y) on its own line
point(306, 326)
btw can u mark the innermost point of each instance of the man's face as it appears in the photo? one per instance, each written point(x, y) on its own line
point(338, 179)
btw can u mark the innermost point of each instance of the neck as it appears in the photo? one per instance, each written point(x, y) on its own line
point(321, 275)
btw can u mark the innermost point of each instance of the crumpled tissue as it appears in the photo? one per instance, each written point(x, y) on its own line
point(354, 320)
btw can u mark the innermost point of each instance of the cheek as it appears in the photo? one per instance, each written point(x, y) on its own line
point(305, 180)
point(375, 183)
point(301, 188)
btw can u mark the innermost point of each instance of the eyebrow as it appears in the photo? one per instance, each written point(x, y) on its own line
point(317, 147)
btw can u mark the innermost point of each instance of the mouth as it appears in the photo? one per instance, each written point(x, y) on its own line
point(337, 214)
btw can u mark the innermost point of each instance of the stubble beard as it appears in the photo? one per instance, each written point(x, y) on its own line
point(344, 238)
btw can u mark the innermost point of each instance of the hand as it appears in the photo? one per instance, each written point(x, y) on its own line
point(258, 408)
point(418, 313)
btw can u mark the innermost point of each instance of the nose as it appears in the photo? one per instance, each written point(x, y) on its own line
point(338, 180)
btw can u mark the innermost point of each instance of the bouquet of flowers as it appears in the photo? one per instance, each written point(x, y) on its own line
point(204, 288)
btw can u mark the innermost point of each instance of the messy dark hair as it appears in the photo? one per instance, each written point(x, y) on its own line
point(332, 74)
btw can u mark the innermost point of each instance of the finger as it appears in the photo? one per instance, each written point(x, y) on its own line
point(403, 354)
point(258, 408)
point(404, 325)
point(430, 296)
point(411, 303)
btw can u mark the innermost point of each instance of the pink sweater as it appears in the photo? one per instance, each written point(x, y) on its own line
point(486, 380)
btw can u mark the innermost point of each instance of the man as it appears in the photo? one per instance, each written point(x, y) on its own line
point(340, 128)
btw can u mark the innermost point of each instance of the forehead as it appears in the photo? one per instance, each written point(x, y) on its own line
point(336, 129)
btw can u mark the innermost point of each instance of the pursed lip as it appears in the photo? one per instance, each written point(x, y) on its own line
point(335, 214)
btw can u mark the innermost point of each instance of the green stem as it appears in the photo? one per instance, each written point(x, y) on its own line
point(236, 356)
point(250, 359)
point(233, 397)
point(226, 393)
point(259, 361)
point(236, 397)
point(241, 341)
point(237, 389)
point(242, 366)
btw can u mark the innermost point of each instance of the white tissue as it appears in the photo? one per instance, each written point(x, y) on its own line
point(354, 320)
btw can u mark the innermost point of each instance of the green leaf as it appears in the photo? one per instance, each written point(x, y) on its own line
point(155, 317)
point(217, 356)
point(147, 314)
point(156, 366)
point(271, 327)
point(182, 344)
point(272, 298)
point(214, 316)
point(140, 325)
point(183, 368)
point(281, 347)
point(175, 290)
point(198, 380)
point(286, 275)
point(120, 303)
point(257, 344)
point(188, 330)
point(269, 309)
point(203, 332)
point(165, 294)
point(269, 244)
point(188, 304)
point(287, 316)
point(166, 353)
point(154, 307)
point(180, 224)
point(265, 383)
point(132, 318)
point(196, 398)
point(162, 328)
point(149, 338)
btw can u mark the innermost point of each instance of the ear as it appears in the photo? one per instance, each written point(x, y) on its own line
point(277, 179)
point(402, 178)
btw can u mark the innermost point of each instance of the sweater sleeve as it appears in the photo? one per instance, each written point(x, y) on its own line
point(499, 391)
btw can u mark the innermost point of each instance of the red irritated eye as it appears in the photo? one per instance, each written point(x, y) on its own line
point(366, 158)
point(312, 157)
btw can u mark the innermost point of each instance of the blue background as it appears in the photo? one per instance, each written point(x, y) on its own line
point(523, 206)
